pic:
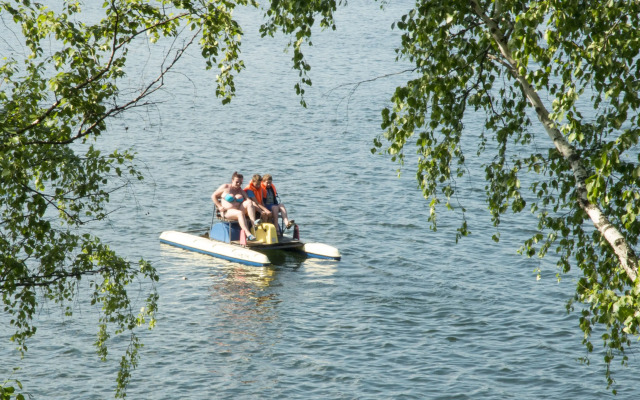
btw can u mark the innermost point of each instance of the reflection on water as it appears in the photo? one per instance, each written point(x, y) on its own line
point(240, 294)
point(243, 310)
point(243, 278)
point(321, 271)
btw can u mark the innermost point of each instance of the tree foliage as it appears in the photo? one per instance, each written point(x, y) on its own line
point(558, 83)
point(55, 99)
point(60, 87)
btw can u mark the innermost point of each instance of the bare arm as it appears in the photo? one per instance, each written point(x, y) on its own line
point(216, 196)
point(255, 203)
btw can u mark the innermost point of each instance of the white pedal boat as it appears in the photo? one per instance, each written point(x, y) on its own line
point(219, 243)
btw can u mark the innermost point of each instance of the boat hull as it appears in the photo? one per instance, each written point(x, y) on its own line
point(249, 254)
point(321, 250)
point(227, 251)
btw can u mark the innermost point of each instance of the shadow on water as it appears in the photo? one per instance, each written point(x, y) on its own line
point(292, 260)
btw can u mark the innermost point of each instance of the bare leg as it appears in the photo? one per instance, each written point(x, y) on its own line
point(274, 218)
point(243, 224)
point(249, 210)
point(235, 214)
point(283, 212)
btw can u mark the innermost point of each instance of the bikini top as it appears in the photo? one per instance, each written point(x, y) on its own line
point(230, 198)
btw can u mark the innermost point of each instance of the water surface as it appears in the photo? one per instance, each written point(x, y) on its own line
point(406, 314)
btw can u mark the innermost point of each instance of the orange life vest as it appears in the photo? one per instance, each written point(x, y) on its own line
point(257, 192)
point(264, 192)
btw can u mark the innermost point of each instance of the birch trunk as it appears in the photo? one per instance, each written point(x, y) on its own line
point(626, 256)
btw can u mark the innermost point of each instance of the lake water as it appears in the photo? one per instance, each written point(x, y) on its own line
point(406, 314)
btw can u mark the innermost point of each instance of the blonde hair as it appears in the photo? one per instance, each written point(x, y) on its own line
point(267, 177)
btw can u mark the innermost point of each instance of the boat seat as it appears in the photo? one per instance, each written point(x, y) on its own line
point(219, 216)
point(230, 222)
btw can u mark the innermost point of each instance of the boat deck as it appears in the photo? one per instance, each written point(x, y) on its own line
point(283, 243)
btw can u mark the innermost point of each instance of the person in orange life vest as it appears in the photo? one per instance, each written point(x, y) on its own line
point(234, 203)
point(255, 193)
point(270, 198)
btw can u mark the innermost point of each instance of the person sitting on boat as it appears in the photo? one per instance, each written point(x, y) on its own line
point(255, 193)
point(234, 204)
point(271, 201)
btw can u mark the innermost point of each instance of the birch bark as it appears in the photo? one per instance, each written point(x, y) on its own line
point(626, 255)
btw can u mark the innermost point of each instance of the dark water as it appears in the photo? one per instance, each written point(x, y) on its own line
point(407, 313)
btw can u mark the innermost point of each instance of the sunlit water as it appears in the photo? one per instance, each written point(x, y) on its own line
point(406, 314)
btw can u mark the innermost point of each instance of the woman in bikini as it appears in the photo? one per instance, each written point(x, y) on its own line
point(234, 203)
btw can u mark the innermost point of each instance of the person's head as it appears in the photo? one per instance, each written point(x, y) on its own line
point(236, 179)
point(267, 179)
point(256, 179)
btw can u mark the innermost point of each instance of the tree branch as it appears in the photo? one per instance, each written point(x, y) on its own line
point(114, 48)
point(626, 255)
point(152, 87)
